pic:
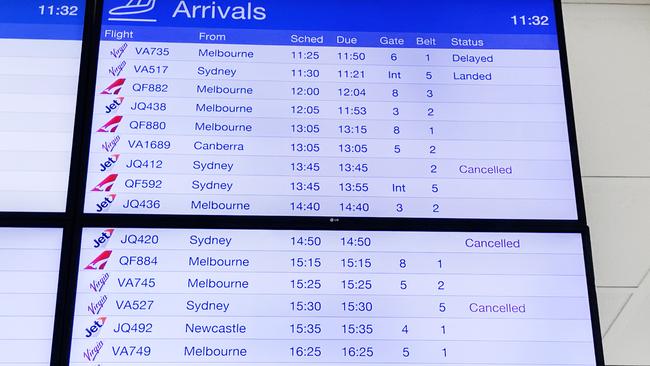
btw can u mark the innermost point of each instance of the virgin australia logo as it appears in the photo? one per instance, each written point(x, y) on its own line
point(133, 11)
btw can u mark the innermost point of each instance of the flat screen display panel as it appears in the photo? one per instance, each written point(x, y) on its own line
point(29, 273)
point(425, 109)
point(39, 71)
point(239, 297)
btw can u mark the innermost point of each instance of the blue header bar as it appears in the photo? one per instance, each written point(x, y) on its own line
point(412, 16)
point(211, 36)
point(45, 19)
point(41, 31)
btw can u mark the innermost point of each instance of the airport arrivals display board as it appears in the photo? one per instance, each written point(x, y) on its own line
point(287, 182)
point(239, 297)
point(40, 44)
point(446, 109)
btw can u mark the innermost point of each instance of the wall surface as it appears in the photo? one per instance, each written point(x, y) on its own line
point(609, 55)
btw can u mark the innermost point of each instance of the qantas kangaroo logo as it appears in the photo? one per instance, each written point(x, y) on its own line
point(100, 262)
point(114, 89)
point(112, 125)
point(106, 185)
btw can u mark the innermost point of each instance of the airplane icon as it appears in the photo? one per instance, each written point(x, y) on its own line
point(131, 8)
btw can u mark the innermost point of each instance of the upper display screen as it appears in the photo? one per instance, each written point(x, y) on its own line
point(445, 109)
point(40, 43)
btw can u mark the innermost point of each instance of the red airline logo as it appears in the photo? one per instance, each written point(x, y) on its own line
point(112, 125)
point(114, 88)
point(100, 262)
point(106, 185)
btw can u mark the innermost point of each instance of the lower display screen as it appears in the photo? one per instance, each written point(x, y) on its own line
point(233, 297)
point(29, 274)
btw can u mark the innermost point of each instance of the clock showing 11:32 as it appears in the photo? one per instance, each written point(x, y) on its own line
point(62, 10)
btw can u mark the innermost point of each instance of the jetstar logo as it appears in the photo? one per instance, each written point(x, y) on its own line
point(115, 105)
point(112, 125)
point(108, 164)
point(92, 353)
point(100, 262)
point(105, 205)
point(98, 285)
point(102, 240)
point(97, 325)
point(114, 89)
point(106, 185)
point(117, 70)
